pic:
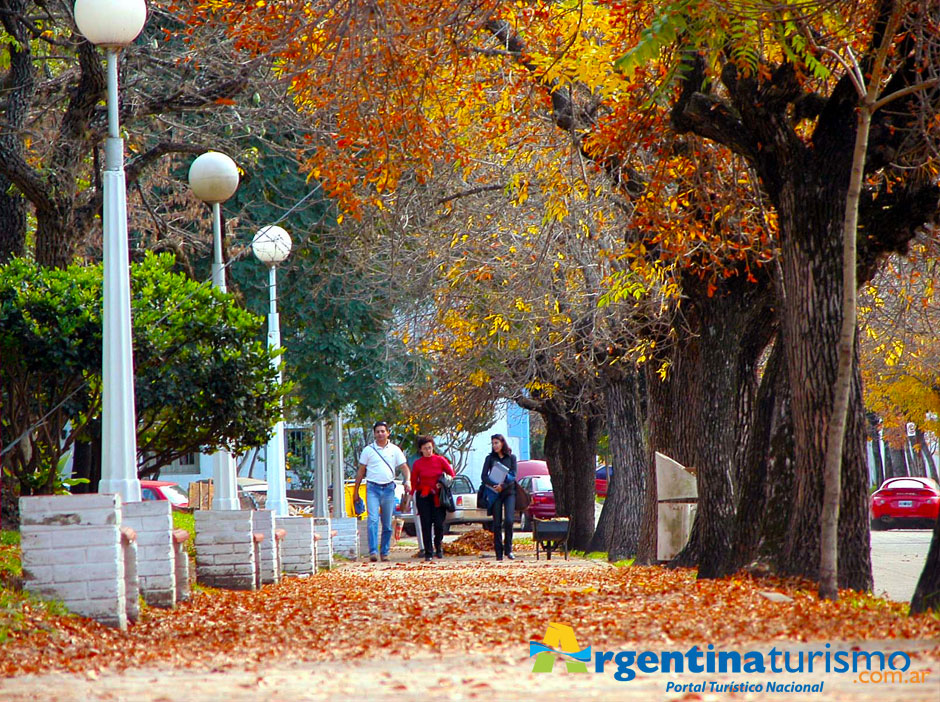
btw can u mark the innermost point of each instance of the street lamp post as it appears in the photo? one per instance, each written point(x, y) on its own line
point(271, 245)
point(213, 178)
point(112, 25)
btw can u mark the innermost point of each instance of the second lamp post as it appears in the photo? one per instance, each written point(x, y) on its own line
point(213, 177)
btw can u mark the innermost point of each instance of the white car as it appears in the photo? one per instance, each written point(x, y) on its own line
point(465, 496)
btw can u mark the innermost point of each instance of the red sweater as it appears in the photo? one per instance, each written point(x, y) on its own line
point(426, 471)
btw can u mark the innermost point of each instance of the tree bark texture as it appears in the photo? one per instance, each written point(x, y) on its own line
point(571, 455)
point(12, 222)
point(807, 183)
point(9, 502)
point(19, 88)
point(927, 593)
point(630, 507)
point(709, 403)
point(811, 320)
point(754, 483)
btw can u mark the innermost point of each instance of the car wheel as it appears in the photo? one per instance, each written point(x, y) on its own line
point(878, 525)
point(410, 529)
point(526, 523)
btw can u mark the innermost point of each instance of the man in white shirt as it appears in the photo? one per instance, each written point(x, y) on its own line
point(378, 463)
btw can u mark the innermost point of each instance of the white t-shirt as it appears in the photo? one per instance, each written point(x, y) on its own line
point(378, 470)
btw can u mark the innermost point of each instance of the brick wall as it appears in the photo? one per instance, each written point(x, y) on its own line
point(72, 551)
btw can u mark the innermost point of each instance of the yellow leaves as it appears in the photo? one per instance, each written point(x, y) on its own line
point(893, 353)
point(478, 378)
point(498, 324)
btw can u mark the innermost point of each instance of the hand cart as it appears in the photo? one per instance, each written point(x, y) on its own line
point(550, 535)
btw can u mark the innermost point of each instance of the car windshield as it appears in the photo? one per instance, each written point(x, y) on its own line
point(175, 494)
point(540, 483)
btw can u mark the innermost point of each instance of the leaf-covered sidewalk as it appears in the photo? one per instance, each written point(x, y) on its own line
point(459, 605)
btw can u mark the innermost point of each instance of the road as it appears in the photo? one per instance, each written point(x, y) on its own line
point(897, 559)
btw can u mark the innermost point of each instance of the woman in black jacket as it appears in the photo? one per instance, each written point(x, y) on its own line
point(499, 477)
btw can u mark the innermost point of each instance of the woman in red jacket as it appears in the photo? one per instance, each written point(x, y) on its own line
point(424, 476)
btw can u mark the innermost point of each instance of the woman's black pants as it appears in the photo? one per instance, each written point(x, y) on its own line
point(430, 514)
point(504, 510)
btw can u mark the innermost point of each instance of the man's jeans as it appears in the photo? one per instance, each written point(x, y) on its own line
point(380, 499)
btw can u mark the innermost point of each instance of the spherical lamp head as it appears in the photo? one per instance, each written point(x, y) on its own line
point(110, 23)
point(271, 245)
point(213, 177)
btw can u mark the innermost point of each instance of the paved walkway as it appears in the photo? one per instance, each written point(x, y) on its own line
point(503, 673)
point(500, 676)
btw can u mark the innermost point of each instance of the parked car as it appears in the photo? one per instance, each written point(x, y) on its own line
point(164, 490)
point(467, 512)
point(531, 467)
point(601, 476)
point(542, 495)
point(905, 502)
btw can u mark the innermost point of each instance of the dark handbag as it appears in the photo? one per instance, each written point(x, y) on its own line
point(522, 498)
point(447, 497)
point(482, 502)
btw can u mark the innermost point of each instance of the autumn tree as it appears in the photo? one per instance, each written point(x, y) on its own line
point(899, 354)
point(399, 93)
point(536, 73)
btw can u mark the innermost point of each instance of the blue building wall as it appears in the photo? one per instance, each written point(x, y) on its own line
point(517, 425)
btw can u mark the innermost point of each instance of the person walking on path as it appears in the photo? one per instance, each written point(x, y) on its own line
point(499, 475)
point(427, 471)
point(378, 464)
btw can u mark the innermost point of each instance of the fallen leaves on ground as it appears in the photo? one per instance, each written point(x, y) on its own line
point(478, 541)
point(406, 609)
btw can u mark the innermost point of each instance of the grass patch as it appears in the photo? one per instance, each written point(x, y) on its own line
point(602, 556)
point(9, 556)
point(187, 521)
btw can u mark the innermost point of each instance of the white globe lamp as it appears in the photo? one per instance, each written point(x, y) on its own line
point(213, 177)
point(271, 245)
point(110, 23)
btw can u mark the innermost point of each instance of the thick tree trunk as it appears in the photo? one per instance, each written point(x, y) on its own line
point(927, 594)
point(12, 222)
point(55, 240)
point(9, 503)
point(19, 88)
point(753, 492)
point(711, 400)
point(86, 462)
point(571, 465)
point(629, 514)
point(811, 318)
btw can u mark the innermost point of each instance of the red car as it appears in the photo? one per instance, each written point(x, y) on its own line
point(542, 505)
point(905, 502)
point(601, 476)
point(164, 490)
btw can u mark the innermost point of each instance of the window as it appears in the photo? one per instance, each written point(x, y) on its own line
point(462, 486)
point(184, 465)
